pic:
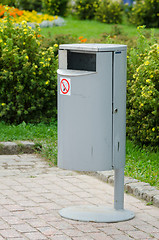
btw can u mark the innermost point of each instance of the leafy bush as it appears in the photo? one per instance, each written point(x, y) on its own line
point(85, 9)
point(58, 39)
point(109, 11)
point(143, 92)
point(9, 2)
point(55, 7)
point(145, 12)
point(117, 36)
point(136, 54)
point(30, 5)
point(27, 75)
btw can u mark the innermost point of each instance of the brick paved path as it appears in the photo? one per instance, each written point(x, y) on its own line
point(31, 193)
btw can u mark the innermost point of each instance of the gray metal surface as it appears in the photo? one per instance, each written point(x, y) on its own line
point(71, 73)
point(92, 120)
point(96, 214)
point(119, 188)
point(92, 115)
point(92, 47)
point(85, 118)
point(119, 109)
point(62, 59)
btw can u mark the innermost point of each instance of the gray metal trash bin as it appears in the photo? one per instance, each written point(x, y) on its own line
point(92, 119)
point(92, 106)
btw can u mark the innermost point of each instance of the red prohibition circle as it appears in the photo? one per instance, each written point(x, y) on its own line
point(62, 85)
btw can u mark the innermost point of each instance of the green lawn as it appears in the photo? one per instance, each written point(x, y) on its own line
point(90, 29)
point(45, 134)
point(140, 164)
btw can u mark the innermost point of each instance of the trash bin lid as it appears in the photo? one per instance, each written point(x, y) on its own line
point(93, 47)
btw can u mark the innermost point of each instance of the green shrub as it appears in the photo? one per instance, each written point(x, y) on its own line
point(9, 2)
point(143, 120)
point(85, 9)
point(143, 91)
point(137, 53)
point(55, 7)
point(58, 39)
point(30, 5)
point(27, 75)
point(145, 12)
point(112, 38)
point(109, 11)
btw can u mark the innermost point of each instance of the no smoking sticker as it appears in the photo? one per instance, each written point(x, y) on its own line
point(65, 86)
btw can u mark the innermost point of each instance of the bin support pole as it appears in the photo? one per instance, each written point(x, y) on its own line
point(119, 188)
point(93, 213)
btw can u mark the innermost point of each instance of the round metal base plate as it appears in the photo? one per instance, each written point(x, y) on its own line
point(96, 214)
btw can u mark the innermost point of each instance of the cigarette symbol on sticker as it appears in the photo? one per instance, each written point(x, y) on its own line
point(65, 86)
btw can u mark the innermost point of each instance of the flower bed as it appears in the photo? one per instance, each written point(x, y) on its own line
point(32, 18)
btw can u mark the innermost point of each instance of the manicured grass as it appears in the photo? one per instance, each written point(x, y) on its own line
point(89, 29)
point(140, 163)
point(25, 131)
point(45, 134)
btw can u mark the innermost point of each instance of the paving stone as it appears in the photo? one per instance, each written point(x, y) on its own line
point(4, 225)
point(4, 212)
point(29, 206)
point(12, 220)
point(37, 223)
point(35, 236)
point(155, 223)
point(121, 237)
point(37, 210)
point(111, 180)
point(72, 232)
point(87, 228)
point(124, 227)
point(81, 238)
point(138, 235)
point(24, 214)
point(156, 200)
point(100, 236)
point(60, 237)
point(111, 230)
point(62, 225)
point(24, 228)
point(19, 238)
point(8, 233)
point(14, 207)
point(156, 235)
point(49, 231)
point(148, 228)
point(11, 148)
point(1, 238)
point(8, 148)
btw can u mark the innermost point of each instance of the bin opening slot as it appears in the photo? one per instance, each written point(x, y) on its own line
point(81, 61)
